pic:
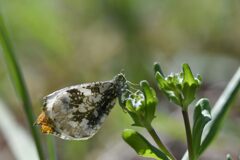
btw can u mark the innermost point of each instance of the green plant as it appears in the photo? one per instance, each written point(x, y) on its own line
point(21, 89)
point(180, 89)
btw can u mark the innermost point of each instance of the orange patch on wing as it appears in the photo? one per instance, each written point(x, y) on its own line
point(45, 123)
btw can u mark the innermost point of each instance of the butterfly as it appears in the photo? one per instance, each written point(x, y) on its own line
point(78, 112)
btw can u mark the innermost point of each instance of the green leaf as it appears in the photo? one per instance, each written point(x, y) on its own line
point(149, 93)
point(162, 83)
point(190, 86)
point(200, 118)
point(141, 145)
point(220, 110)
point(134, 115)
point(129, 106)
point(150, 101)
point(168, 88)
point(187, 75)
point(157, 68)
point(188, 94)
point(173, 98)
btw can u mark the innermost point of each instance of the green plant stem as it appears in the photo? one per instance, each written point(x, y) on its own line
point(188, 134)
point(158, 141)
point(51, 144)
point(19, 84)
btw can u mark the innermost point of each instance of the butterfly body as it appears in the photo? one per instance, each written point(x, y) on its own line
point(78, 112)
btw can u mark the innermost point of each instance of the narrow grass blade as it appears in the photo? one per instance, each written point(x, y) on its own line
point(220, 109)
point(18, 82)
point(51, 144)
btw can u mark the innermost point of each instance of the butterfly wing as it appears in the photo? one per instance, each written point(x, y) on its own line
point(77, 112)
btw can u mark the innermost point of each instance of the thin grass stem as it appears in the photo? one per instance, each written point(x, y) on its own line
point(19, 84)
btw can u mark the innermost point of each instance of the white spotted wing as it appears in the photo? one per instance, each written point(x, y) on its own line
point(77, 112)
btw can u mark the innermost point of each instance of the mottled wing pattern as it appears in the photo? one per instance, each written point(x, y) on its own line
point(77, 112)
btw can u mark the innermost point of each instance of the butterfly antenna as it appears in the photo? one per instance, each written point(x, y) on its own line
point(133, 86)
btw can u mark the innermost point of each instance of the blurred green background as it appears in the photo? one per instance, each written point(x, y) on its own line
point(64, 42)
